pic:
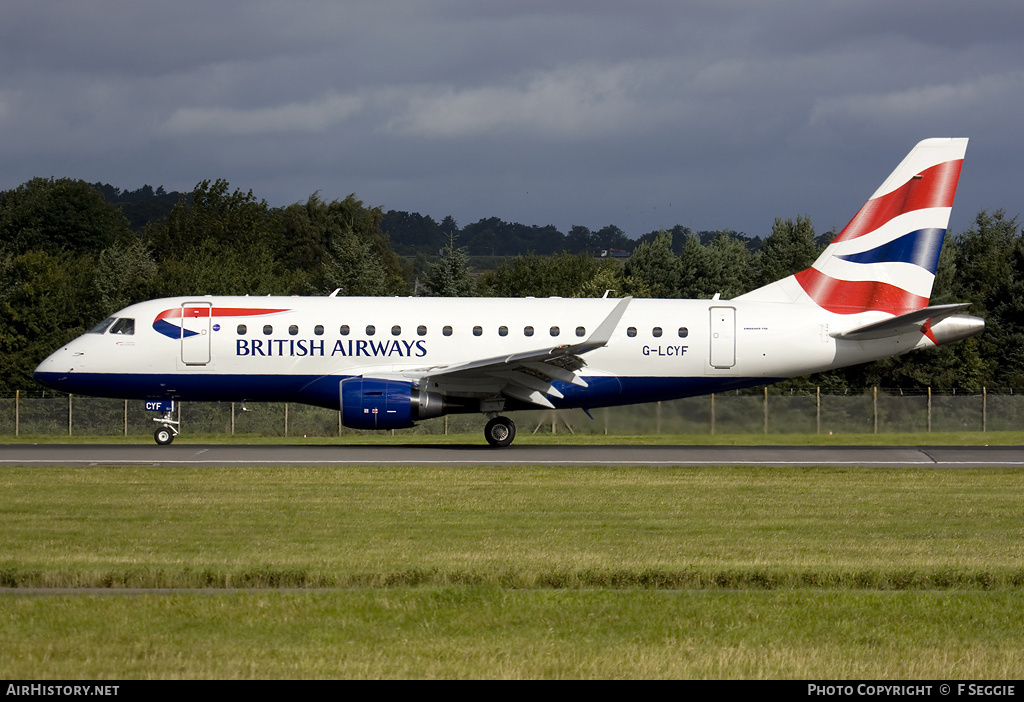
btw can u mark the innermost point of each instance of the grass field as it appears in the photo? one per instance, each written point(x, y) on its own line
point(513, 572)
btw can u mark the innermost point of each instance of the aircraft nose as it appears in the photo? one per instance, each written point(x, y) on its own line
point(53, 372)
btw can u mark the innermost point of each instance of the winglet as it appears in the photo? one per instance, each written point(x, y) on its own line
point(603, 334)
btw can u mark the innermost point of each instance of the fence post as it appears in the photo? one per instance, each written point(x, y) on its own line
point(712, 414)
point(69, 414)
point(286, 419)
point(17, 412)
point(874, 406)
point(817, 409)
point(984, 409)
point(126, 417)
point(929, 409)
point(765, 409)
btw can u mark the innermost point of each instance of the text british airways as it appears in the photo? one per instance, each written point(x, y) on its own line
point(342, 347)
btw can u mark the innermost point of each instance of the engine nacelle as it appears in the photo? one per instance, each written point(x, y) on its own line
point(377, 403)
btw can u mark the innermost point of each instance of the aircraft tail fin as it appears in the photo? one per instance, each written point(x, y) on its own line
point(885, 258)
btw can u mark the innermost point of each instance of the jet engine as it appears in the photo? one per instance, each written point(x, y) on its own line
point(379, 403)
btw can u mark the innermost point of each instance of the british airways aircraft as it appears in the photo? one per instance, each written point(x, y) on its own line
point(387, 363)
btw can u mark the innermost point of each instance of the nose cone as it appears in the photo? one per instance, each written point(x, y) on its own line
point(56, 369)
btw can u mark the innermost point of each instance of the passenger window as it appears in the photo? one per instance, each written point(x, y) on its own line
point(396, 330)
point(318, 330)
point(502, 331)
point(447, 331)
point(102, 326)
point(580, 331)
point(656, 332)
point(241, 330)
point(555, 331)
point(631, 332)
point(344, 330)
point(267, 329)
point(477, 331)
point(125, 326)
point(370, 330)
point(421, 330)
point(293, 329)
point(528, 331)
point(683, 332)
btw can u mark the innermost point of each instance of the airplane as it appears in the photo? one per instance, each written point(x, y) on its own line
point(387, 363)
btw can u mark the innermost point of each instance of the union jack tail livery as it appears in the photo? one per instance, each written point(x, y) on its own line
point(884, 260)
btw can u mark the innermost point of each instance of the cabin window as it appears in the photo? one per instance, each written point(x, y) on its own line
point(528, 331)
point(555, 331)
point(683, 332)
point(318, 330)
point(477, 331)
point(268, 329)
point(241, 330)
point(344, 330)
point(581, 331)
point(421, 330)
point(102, 326)
point(293, 329)
point(125, 326)
point(447, 331)
point(502, 331)
point(631, 332)
point(656, 332)
point(370, 330)
point(396, 330)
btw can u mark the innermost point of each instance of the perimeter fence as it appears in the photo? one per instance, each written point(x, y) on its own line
point(871, 411)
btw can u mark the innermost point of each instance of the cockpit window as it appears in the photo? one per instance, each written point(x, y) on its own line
point(125, 326)
point(102, 326)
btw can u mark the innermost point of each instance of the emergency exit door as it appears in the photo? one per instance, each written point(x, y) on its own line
point(195, 333)
point(723, 337)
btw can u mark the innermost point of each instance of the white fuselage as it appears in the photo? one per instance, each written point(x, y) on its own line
point(300, 348)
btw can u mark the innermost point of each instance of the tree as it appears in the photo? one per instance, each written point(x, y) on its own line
point(653, 269)
point(58, 215)
point(728, 266)
point(561, 275)
point(45, 301)
point(788, 250)
point(339, 245)
point(450, 277)
point(125, 274)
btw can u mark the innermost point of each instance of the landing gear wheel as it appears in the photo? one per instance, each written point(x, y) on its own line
point(500, 432)
point(163, 436)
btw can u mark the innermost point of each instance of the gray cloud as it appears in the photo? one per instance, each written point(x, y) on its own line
point(648, 114)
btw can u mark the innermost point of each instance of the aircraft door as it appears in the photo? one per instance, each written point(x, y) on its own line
point(195, 333)
point(723, 337)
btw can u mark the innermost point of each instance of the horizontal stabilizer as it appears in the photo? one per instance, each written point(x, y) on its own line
point(903, 324)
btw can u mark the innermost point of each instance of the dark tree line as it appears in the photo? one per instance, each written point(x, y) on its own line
point(71, 253)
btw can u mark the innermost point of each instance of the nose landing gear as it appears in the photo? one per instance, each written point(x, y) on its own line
point(167, 430)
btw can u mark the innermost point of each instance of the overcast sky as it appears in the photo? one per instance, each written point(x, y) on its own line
point(714, 115)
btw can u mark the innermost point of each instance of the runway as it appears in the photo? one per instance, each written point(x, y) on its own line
point(208, 455)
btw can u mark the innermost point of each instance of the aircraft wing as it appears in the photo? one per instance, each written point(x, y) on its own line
point(528, 375)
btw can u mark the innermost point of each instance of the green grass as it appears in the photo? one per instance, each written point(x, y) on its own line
point(467, 632)
point(513, 572)
point(521, 527)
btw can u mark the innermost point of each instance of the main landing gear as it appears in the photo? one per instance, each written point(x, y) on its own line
point(500, 431)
